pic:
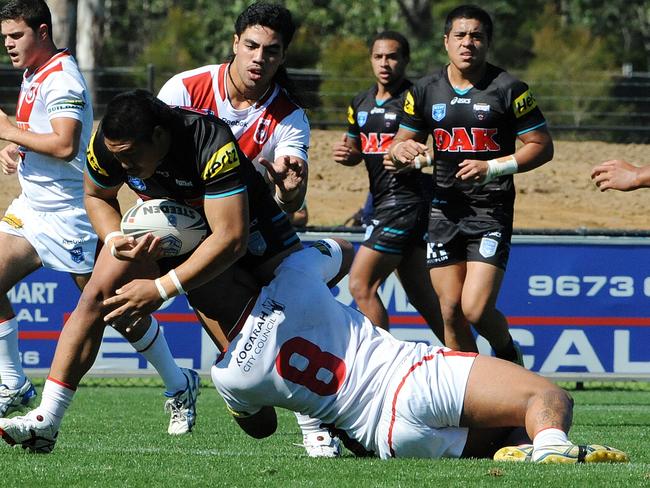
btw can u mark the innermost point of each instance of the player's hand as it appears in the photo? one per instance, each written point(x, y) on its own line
point(286, 173)
point(133, 301)
point(341, 152)
point(472, 170)
point(5, 125)
point(615, 174)
point(127, 248)
point(9, 159)
point(403, 154)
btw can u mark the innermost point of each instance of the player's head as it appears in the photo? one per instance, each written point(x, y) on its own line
point(263, 33)
point(468, 34)
point(389, 55)
point(137, 129)
point(27, 30)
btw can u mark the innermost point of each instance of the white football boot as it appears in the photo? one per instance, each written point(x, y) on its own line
point(182, 405)
point(15, 400)
point(34, 432)
point(321, 444)
point(572, 454)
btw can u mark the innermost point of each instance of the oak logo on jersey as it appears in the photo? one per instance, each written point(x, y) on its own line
point(225, 159)
point(92, 159)
point(524, 103)
point(350, 114)
point(375, 142)
point(459, 140)
point(362, 118)
point(438, 111)
point(409, 104)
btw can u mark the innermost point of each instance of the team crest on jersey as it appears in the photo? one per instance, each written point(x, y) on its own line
point(224, 160)
point(262, 131)
point(488, 246)
point(362, 118)
point(439, 111)
point(481, 110)
point(136, 183)
point(77, 254)
point(13, 221)
point(30, 96)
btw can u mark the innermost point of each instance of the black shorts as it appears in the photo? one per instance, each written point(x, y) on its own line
point(454, 236)
point(394, 230)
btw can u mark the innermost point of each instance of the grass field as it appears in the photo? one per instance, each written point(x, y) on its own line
point(116, 436)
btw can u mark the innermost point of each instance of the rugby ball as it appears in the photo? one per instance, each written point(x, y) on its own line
point(180, 228)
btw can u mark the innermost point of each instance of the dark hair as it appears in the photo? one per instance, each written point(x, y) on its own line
point(34, 12)
point(133, 115)
point(390, 35)
point(470, 12)
point(273, 16)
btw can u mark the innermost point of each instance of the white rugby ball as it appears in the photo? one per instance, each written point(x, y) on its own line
point(180, 228)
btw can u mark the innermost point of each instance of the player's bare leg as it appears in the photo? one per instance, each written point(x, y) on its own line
point(370, 269)
point(448, 283)
point(480, 292)
point(500, 394)
point(416, 282)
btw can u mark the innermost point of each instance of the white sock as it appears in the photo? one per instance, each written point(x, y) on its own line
point(550, 437)
point(307, 424)
point(55, 400)
point(11, 369)
point(154, 348)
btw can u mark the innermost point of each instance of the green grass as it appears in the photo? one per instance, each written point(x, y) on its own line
point(116, 436)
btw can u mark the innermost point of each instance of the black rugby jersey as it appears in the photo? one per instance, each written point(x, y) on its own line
point(481, 123)
point(374, 124)
point(204, 161)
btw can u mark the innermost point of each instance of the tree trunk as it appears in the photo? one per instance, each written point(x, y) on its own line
point(64, 23)
point(90, 15)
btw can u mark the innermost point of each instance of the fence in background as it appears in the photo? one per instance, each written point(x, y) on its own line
point(606, 106)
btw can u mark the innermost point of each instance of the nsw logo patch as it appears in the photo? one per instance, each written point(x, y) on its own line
point(439, 111)
point(488, 247)
point(362, 118)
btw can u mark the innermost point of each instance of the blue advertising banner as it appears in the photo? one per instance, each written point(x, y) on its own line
point(575, 305)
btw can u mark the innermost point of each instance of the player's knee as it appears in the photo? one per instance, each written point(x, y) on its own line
point(360, 289)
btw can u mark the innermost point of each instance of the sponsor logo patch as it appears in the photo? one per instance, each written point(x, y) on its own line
point(92, 159)
point(77, 254)
point(75, 104)
point(439, 111)
point(488, 247)
point(224, 160)
point(523, 104)
point(13, 221)
point(481, 110)
point(390, 116)
point(456, 100)
point(377, 110)
point(136, 183)
point(350, 115)
point(409, 104)
point(436, 253)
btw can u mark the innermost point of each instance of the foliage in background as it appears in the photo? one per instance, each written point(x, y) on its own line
point(565, 72)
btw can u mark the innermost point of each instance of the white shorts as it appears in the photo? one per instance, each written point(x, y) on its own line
point(423, 405)
point(64, 240)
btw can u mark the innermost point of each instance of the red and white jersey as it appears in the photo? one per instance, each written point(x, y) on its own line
point(273, 127)
point(300, 349)
point(56, 89)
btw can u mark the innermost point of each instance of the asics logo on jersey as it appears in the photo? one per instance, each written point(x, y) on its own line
point(456, 100)
point(459, 140)
point(225, 159)
point(376, 143)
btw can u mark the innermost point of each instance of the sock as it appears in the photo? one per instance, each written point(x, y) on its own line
point(507, 352)
point(56, 399)
point(154, 348)
point(549, 437)
point(11, 368)
point(307, 424)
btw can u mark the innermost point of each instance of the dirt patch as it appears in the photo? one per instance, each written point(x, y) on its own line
point(559, 195)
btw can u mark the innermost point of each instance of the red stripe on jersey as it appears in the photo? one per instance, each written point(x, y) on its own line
point(201, 93)
point(221, 81)
point(26, 100)
point(254, 138)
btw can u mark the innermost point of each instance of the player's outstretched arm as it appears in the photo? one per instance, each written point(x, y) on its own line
point(617, 174)
point(259, 425)
point(289, 174)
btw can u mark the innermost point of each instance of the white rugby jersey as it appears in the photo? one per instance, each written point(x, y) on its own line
point(272, 128)
point(301, 349)
point(56, 89)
